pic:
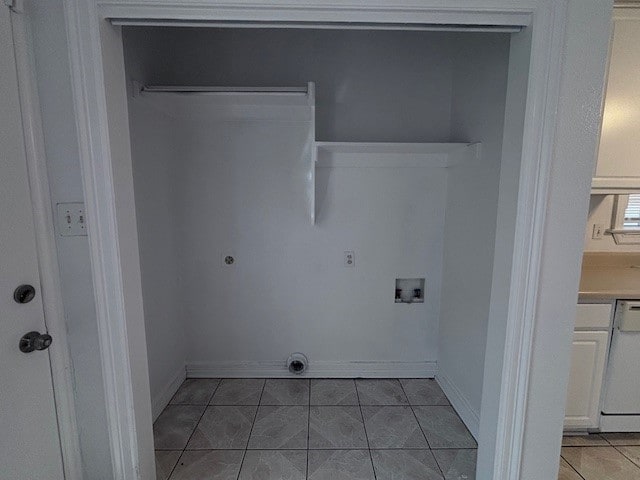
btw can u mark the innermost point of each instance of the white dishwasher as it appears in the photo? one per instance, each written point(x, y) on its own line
point(621, 402)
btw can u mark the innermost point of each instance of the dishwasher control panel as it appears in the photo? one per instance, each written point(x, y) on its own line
point(628, 316)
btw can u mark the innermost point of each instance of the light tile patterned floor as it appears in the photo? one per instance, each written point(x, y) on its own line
point(325, 429)
point(611, 456)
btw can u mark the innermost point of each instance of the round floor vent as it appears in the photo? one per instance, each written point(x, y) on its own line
point(297, 363)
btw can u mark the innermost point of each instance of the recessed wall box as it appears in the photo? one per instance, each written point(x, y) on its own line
point(409, 290)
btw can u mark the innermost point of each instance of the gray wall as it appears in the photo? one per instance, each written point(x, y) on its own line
point(47, 25)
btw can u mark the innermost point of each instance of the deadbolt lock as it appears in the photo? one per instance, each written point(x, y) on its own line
point(24, 293)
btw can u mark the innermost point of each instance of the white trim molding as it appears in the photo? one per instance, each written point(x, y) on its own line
point(88, 89)
point(422, 12)
point(469, 416)
point(545, 19)
point(320, 369)
point(537, 155)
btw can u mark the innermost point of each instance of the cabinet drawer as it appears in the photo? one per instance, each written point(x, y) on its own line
point(594, 315)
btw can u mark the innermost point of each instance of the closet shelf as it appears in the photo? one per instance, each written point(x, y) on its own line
point(386, 155)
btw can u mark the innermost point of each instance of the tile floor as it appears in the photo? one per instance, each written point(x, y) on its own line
point(298, 429)
point(607, 456)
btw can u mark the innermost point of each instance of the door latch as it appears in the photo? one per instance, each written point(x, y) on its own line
point(35, 341)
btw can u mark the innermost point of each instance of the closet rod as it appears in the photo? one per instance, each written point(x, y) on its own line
point(223, 90)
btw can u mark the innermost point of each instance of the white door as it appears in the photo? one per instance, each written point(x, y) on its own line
point(588, 359)
point(29, 440)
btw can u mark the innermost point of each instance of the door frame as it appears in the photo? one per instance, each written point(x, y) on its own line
point(59, 353)
point(561, 121)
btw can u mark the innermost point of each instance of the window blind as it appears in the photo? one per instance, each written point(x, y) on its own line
point(632, 212)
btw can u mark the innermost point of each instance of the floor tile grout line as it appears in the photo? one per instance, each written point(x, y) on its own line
point(255, 417)
point(214, 391)
point(422, 430)
point(265, 405)
point(308, 430)
point(415, 416)
point(625, 455)
point(364, 426)
point(323, 448)
point(194, 429)
point(572, 467)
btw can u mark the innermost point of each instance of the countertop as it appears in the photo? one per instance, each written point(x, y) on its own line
point(610, 276)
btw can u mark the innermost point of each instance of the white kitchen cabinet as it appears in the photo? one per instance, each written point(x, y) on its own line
point(588, 359)
point(618, 168)
point(593, 316)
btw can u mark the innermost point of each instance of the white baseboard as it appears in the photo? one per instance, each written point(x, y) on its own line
point(318, 369)
point(460, 404)
point(162, 399)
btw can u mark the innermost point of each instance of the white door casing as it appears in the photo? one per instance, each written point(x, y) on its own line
point(29, 440)
point(558, 152)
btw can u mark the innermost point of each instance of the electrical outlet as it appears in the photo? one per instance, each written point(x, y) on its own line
point(598, 231)
point(349, 259)
point(72, 219)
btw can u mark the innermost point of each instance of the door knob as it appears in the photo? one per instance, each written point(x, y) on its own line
point(34, 341)
point(24, 294)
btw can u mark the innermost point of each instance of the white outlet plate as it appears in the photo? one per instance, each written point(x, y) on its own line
point(72, 219)
point(349, 258)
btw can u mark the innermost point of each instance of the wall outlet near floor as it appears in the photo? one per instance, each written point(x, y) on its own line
point(349, 258)
point(598, 231)
point(72, 219)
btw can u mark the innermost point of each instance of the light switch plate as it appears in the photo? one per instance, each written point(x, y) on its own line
point(349, 258)
point(72, 219)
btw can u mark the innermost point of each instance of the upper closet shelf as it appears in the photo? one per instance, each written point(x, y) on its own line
point(386, 155)
point(215, 103)
point(393, 155)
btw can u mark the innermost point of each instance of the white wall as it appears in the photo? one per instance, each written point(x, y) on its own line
point(156, 152)
point(371, 86)
point(241, 188)
point(601, 212)
point(478, 105)
point(47, 25)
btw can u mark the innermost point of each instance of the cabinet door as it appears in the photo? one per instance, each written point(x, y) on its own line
point(588, 360)
point(620, 139)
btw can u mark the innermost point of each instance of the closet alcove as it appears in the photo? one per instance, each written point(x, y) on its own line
point(287, 148)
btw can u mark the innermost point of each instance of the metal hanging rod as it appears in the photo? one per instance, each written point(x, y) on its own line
point(222, 90)
point(430, 27)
